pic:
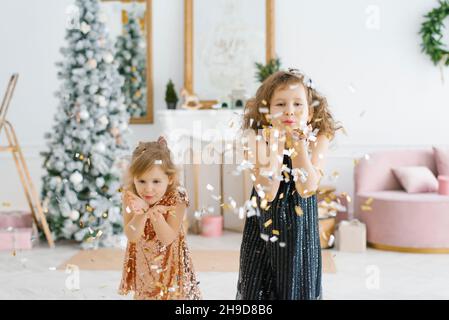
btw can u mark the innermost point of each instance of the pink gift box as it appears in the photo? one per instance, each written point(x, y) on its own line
point(15, 219)
point(212, 226)
point(19, 238)
point(443, 185)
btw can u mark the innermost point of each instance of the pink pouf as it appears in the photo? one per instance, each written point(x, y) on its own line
point(443, 185)
point(212, 226)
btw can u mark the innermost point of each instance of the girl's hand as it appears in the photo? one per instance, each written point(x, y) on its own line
point(275, 136)
point(135, 204)
point(158, 211)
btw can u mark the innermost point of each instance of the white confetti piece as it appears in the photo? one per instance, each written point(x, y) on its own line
point(157, 161)
point(282, 244)
point(241, 213)
point(52, 268)
point(209, 187)
point(351, 88)
point(132, 228)
point(331, 240)
point(232, 203)
point(264, 110)
point(274, 239)
point(128, 210)
point(264, 237)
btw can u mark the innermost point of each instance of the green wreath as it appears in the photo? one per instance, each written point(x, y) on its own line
point(431, 31)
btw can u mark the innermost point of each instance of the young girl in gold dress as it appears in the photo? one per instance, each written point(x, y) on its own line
point(157, 261)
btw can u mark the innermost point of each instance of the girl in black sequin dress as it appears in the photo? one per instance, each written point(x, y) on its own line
point(288, 126)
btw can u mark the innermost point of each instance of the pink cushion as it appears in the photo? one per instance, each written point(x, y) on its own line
point(416, 179)
point(375, 174)
point(442, 160)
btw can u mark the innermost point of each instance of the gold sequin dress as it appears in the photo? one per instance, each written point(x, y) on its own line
point(157, 272)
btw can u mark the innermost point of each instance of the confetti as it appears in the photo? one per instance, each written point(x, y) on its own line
point(264, 237)
point(209, 187)
point(298, 211)
point(351, 88)
point(281, 196)
point(315, 103)
point(264, 110)
point(52, 268)
point(254, 201)
point(369, 201)
point(232, 203)
point(132, 228)
point(157, 161)
point(366, 208)
point(331, 240)
point(276, 232)
point(128, 210)
point(282, 244)
point(264, 102)
point(263, 204)
point(268, 223)
point(276, 115)
point(274, 239)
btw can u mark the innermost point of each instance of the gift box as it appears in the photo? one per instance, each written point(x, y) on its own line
point(15, 219)
point(350, 236)
point(16, 238)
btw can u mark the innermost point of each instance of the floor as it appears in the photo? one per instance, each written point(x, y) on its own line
point(374, 274)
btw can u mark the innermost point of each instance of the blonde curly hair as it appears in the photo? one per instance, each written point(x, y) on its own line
point(144, 157)
point(322, 118)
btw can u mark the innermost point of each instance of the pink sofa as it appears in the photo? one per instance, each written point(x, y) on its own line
point(400, 221)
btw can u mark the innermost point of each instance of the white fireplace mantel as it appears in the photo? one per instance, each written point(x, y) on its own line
point(203, 125)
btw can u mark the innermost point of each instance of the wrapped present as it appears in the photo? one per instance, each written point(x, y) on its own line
point(15, 219)
point(16, 238)
point(350, 236)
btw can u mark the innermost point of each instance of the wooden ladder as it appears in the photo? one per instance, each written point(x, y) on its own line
point(14, 148)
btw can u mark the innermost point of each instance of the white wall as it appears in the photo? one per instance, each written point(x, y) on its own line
point(381, 72)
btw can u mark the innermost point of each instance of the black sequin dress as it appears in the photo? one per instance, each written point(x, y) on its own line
point(289, 267)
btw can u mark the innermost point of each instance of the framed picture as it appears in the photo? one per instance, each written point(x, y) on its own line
point(222, 44)
point(130, 27)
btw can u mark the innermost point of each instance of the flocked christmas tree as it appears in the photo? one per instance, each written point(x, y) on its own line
point(130, 54)
point(80, 190)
